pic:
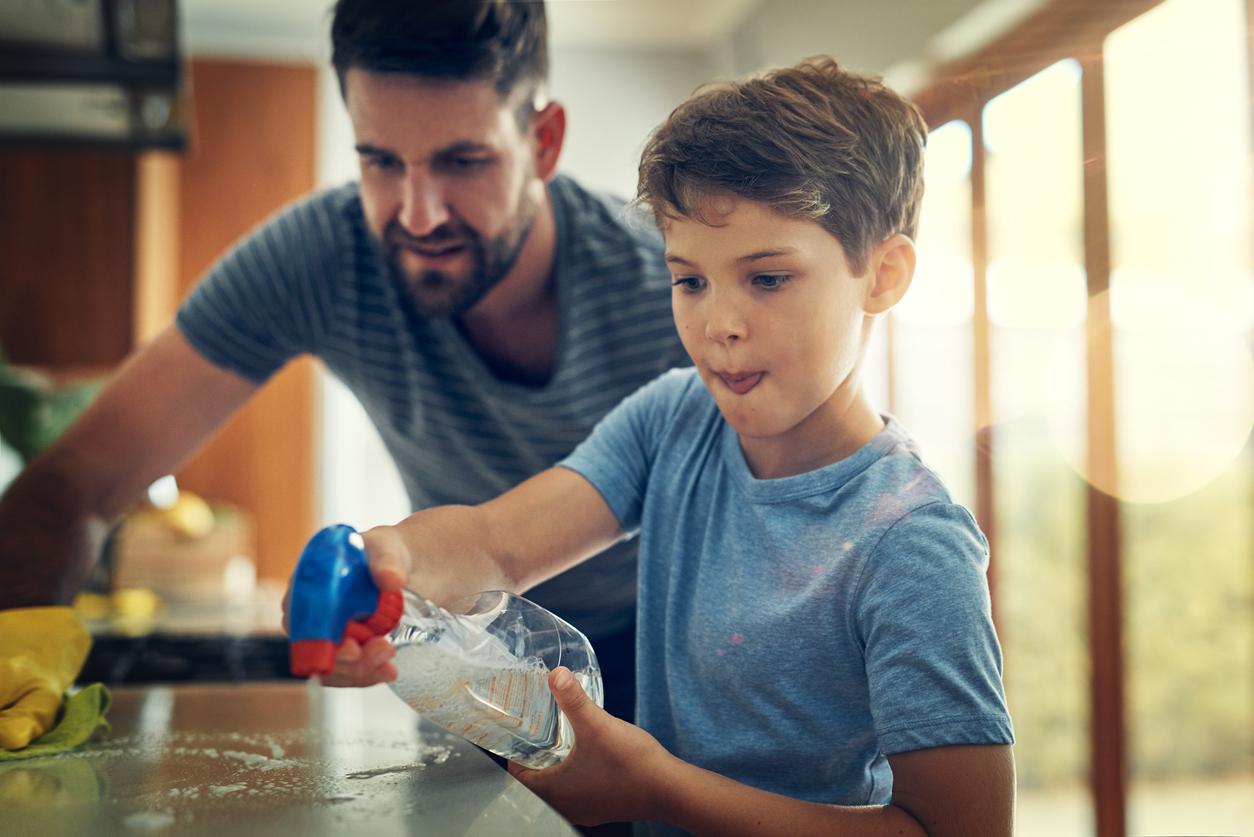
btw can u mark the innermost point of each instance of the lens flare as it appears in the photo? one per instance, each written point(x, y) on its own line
point(1183, 390)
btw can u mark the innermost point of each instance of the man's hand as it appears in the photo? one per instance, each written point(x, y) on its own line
point(42, 650)
point(612, 774)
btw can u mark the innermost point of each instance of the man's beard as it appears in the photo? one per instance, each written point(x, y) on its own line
point(438, 293)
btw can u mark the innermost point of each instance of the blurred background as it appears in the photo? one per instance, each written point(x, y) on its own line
point(1074, 355)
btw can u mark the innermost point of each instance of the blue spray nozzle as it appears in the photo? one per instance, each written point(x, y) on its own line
point(331, 592)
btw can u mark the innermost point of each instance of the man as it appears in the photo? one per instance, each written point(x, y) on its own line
point(486, 311)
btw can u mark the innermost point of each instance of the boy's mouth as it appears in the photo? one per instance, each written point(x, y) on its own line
point(740, 382)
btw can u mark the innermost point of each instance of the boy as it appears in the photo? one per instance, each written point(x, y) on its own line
point(815, 648)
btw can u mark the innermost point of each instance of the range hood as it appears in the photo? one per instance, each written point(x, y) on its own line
point(96, 73)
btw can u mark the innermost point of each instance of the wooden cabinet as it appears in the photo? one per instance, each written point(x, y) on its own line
point(97, 249)
point(66, 256)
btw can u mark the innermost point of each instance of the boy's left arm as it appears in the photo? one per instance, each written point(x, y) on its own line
point(618, 772)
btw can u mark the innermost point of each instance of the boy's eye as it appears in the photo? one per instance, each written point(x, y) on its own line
point(771, 281)
point(688, 284)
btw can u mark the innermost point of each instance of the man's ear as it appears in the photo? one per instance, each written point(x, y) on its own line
point(548, 126)
point(891, 268)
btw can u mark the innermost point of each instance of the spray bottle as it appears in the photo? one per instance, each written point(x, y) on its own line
point(481, 672)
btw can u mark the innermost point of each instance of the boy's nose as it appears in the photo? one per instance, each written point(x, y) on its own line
point(724, 323)
point(424, 206)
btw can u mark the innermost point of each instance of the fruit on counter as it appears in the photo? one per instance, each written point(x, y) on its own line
point(128, 604)
point(92, 606)
point(190, 515)
point(136, 603)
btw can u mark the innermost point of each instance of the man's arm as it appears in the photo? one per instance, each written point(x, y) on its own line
point(617, 771)
point(160, 406)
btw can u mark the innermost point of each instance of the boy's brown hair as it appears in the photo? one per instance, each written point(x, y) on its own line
point(813, 141)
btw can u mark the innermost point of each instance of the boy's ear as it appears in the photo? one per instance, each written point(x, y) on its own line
point(891, 268)
point(548, 126)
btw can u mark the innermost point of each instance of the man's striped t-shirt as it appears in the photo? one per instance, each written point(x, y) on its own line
point(310, 281)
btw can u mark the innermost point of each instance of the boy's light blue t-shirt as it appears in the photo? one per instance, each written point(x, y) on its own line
point(793, 632)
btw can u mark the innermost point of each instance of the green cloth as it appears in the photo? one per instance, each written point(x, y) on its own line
point(81, 713)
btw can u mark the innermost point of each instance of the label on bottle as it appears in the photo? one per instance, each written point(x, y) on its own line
point(520, 695)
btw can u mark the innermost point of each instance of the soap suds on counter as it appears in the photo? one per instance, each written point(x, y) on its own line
point(261, 773)
point(150, 820)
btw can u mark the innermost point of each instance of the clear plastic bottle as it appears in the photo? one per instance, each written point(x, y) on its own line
point(482, 673)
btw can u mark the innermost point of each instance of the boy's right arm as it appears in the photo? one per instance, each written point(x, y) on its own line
point(160, 406)
point(532, 532)
point(542, 526)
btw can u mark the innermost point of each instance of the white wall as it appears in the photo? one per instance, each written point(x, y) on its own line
point(614, 98)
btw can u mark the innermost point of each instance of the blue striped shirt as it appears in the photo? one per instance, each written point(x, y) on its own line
point(309, 281)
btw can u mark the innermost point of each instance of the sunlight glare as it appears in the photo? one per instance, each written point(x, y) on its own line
point(1184, 394)
point(1036, 293)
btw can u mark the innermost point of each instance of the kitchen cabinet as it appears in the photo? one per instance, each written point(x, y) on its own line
point(98, 247)
point(66, 256)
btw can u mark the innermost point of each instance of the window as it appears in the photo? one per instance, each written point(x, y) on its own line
point(1099, 221)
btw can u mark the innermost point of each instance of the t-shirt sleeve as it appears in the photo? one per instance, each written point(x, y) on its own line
point(617, 457)
point(261, 304)
point(932, 657)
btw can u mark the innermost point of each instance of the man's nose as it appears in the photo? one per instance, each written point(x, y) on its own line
point(424, 205)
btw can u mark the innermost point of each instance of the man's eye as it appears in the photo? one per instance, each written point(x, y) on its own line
point(463, 165)
point(382, 163)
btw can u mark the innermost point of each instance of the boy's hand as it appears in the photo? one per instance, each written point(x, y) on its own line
point(389, 558)
point(365, 664)
point(613, 774)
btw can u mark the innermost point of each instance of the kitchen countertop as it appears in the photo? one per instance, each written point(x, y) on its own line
point(268, 758)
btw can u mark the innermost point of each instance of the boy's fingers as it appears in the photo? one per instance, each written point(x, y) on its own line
point(349, 651)
point(378, 651)
point(569, 695)
point(369, 655)
point(358, 664)
point(389, 560)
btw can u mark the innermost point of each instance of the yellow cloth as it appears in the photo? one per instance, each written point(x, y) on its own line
point(42, 649)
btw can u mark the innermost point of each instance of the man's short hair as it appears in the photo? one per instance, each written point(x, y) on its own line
point(502, 41)
point(813, 141)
